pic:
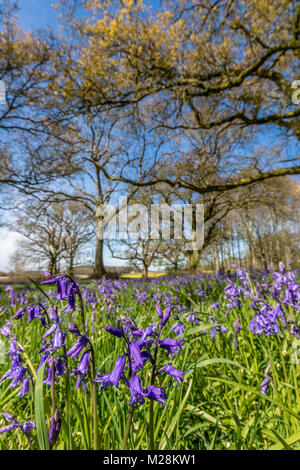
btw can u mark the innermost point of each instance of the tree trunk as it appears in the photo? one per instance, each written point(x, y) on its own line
point(217, 263)
point(145, 271)
point(52, 266)
point(71, 265)
point(99, 269)
point(193, 258)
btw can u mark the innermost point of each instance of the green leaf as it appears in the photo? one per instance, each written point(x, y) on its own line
point(199, 329)
point(203, 414)
point(285, 443)
point(2, 352)
point(175, 420)
point(40, 419)
point(217, 360)
point(112, 414)
point(257, 392)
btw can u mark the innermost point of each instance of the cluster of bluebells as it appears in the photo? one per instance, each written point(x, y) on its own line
point(109, 290)
point(269, 319)
point(26, 428)
point(66, 289)
point(53, 339)
point(17, 373)
point(16, 297)
point(139, 347)
point(52, 349)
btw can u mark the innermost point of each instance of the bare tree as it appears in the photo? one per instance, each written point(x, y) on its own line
point(53, 234)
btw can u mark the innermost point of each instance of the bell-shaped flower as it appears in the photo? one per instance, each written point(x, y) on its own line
point(136, 390)
point(173, 372)
point(78, 347)
point(113, 378)
point(155, 393)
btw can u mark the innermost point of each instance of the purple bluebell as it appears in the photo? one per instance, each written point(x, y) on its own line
point(27, 427)
point(115, 331)
point(84, 363)
point(178, 328)
point(237, 328)
point(55, 426)
point(172, 346)
point(8, 427)
point(62, 285)
point(141, 297)
point(156, 393)
point(71, 307)
point(51, 330)
point(31, 313)
point(136, 390)
point(165, 316)
point(74, 329)
point(19, 313)
point(159, 311)
point(173, 372)
point(6, 330)
point(78, 347)
point(59, 339)
point(60, 367)
point(25, 387)
point(53, 313)
point(137, 361)
point(128, 322)
point(114, 377)
point(50, 375)
point(265, 383)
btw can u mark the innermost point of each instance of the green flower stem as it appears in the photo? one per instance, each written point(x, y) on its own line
point(128, 425)
point(151, 419)
point(67, 395)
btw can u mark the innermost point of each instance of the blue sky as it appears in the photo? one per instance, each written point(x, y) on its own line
point(40, 13)
point(36, 13)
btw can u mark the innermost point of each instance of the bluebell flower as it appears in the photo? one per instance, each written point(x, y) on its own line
point(84, 362)
point(172, 346)
point(156, 393)
point(114, 377)
point(74, 329)
point(78, 347)
point(178, 328)
point(115, 331)
point(137, 361)
point(136, 390)
point(173, 372)
point(25, 387)
point(265, 383)
point(51, 330)
point(27, 427)
point(55, 426)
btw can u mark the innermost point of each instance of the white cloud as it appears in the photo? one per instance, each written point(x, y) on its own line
point(8, 244)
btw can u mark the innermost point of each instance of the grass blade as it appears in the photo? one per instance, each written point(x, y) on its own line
point(174, 422)
point(40, 418)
